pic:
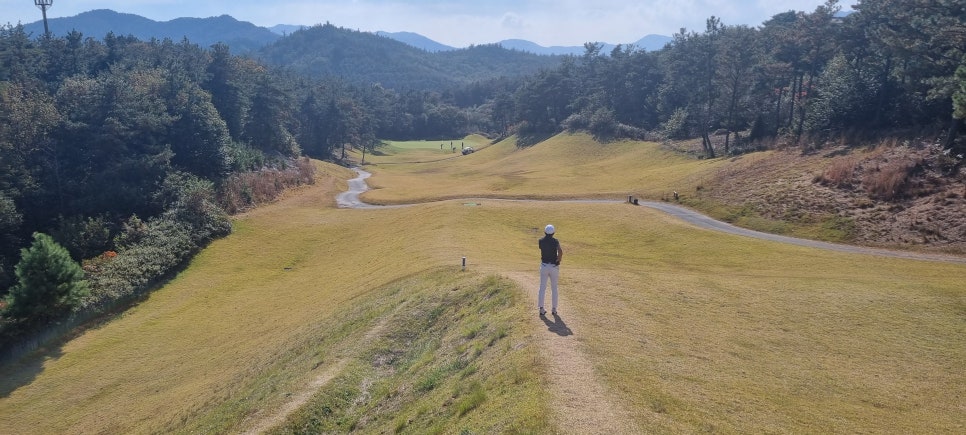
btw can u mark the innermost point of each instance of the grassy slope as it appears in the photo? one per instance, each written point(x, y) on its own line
point(825, 194)
point(693, 330)
point(566, 166)
point(438, 366)
point(254, 316)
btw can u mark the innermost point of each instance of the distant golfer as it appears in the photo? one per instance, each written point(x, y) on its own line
point(550, 255)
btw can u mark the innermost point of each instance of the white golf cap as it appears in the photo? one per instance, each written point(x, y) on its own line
point(549, 229)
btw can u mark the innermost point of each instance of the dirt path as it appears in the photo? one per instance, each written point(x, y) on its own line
point(581, 403)
point(265, 422)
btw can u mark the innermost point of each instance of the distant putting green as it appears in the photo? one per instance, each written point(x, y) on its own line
point(689, 330)
point(425, 150)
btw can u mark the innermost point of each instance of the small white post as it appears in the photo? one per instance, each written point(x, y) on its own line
point(464, 263)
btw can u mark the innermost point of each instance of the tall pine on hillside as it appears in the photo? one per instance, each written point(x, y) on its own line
point(49, 283)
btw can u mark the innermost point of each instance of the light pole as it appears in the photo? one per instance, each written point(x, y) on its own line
point(43, 5)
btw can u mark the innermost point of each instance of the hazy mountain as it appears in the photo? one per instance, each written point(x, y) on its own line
point(239, 35)
point(285, 29)
point(417, 40)
point(649, 43)
point(653, 42)
point(531, 47)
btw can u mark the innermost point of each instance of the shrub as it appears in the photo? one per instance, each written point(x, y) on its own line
point(245, 158)
point(887, 182)
point(603, 125)
point(577, 121)
point(245, 190)
point(191, 200)
point(676, 127)
point(839, 173)
point(83, 237)
point(162, 245)
point(147, 251)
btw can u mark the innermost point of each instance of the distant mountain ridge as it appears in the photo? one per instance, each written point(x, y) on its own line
point(244, 37)
point(649, 43)
point(241, 36)
point(285, 29)
point(418, 41)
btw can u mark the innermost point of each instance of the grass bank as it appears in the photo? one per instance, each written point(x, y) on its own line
point(453, 357)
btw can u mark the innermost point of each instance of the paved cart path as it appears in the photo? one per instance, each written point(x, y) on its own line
point(357, 186)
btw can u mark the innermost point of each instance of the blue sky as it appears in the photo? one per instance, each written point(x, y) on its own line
point(456, 23)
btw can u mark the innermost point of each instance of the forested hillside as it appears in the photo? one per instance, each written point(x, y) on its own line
point(366, 58)
point(130, 153)
point(887, 67)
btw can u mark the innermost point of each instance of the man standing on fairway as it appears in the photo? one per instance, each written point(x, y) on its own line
point(550, 255)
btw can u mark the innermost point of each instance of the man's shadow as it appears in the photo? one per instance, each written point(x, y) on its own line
point(557, 326)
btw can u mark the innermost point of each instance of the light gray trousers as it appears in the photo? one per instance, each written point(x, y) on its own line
point(551, 272)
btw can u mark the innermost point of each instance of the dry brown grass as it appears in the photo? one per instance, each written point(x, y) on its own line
point(243, 191)
point(691, 330)
point(887, 181)
point(892, 195)
point(840, 173)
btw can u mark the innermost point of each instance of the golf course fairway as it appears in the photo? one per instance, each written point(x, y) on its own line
point(312, 318)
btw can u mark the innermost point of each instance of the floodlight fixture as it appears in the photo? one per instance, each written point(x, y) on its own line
point(43, 5)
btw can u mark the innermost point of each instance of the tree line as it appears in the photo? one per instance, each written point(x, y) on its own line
point(129, 154)
point(890, 66)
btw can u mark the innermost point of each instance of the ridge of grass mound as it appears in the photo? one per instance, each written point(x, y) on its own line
point(454, 357)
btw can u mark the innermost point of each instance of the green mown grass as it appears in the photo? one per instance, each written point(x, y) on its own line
point(424, 151)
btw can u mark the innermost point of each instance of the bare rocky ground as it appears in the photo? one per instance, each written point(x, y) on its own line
point(908, 195)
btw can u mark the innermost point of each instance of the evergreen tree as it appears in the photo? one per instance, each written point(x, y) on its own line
point(49, 283)
point(959, 95)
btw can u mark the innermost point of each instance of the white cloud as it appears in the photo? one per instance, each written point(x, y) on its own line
point(512, 22)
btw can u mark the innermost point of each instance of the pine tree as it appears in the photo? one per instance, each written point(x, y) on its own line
point(49, 283)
